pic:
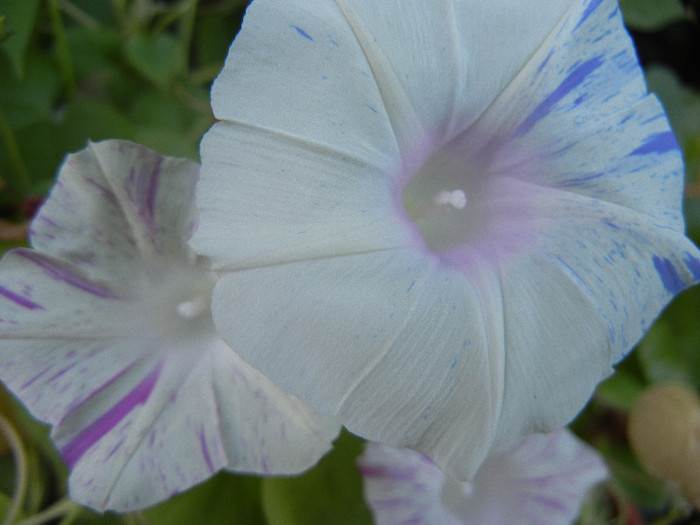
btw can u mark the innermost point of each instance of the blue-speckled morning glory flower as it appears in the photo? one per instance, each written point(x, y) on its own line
point(440, 222)
point(106, 334)
point(539, 479)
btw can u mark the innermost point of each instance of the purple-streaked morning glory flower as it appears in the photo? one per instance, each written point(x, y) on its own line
point(440, 222)
point(106, 334)
point(539, 479)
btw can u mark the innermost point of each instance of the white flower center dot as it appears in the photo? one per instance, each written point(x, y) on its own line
point(192, 308)
point(456, 199)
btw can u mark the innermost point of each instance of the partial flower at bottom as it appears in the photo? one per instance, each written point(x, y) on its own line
point(452, 217)
point(539, 479)
point(106, 334)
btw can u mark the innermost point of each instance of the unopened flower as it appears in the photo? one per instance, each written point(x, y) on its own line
point(106, 334)
point(441, 222)
point(539, 479)
point(664, 431)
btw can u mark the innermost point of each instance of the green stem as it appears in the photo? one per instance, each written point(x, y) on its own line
point(22, 180)
point(65, 62)
point(79, 15)
point(186, 28)
point(15, 443)
point(57, 510)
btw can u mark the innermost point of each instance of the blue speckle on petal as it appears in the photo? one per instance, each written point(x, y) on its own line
point(573, 80)
point(544, 62)
point(657, 143)
point(693, 265)
point(669, 275)
point(302, 32)
point(588, 12)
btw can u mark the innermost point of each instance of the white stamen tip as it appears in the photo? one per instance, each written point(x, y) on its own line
point(455, 198)
point(190, 309)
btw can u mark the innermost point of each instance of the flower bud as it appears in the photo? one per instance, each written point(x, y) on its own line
point(664, 431)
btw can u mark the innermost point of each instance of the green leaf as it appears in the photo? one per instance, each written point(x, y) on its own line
point(669, 351)
point(83, 516)
point(650, 14)
point(647, 491)
point(331, 492)
point(224, 499)
point(27, 101)
point(94, 52)
point(620, 391)
point(158, 58)
point(19, 18)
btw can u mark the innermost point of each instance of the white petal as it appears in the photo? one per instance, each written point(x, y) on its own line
point(145, 400)
point(320, 97)
point(577, 117)
point(179, 425)
point(539, 479)
point(354, 77)
point(587, 61)
point(402, 340)
point(640, 166)
point(290, 201)
point(553, 282)
point(121, 206)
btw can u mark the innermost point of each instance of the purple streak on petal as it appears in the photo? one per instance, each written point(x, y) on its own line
point(75, 406)
point(302, 32)
point(658, 143)
point(74, 450)
point(33, 379)
point(61, 272)
point(693, 265)
point(551, 501)
point(106, 193)
point(205, 451)
point(60, 373)
point(18, 299)
point(571, 82)
point(588, 12)
point(669, 275)
point(152, 188)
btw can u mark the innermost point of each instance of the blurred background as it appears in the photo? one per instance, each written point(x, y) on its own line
point(79, 70)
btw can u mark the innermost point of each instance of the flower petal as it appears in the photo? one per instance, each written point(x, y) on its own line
point(145, 399)
point(623, 152)
point(357, 77)
point(586, 61)
point(178, 426)
point(538, 479)
point(355, 92)
point(578, 294)
point(565, 241)
point(402, 339)
point(121, 207)
point(292, 201)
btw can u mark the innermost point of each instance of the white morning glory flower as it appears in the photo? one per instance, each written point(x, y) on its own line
point(539, 479)
point(441, 222)
point(106, 334)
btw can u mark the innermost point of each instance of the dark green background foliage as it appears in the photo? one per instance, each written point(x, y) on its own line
point(79, 70)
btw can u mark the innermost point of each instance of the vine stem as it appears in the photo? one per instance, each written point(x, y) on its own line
point(15, 443)
point(65, 61)
point(57, 510)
